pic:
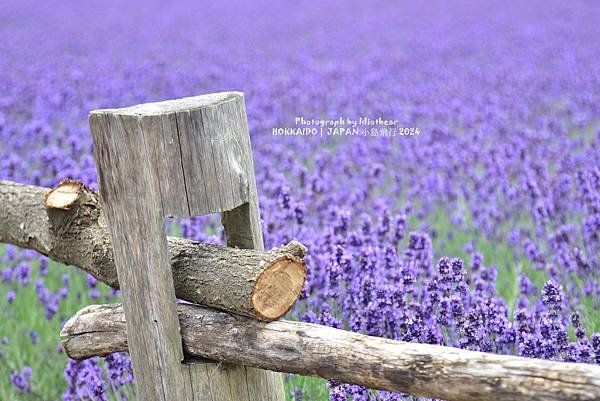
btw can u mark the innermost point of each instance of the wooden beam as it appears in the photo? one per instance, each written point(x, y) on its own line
point(243, 230)
point(309, 349)
point(67, 224)
point(131, 196)
point(196, 148)
point(137, 177)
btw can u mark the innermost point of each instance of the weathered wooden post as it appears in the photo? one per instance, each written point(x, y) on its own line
point(181, 158)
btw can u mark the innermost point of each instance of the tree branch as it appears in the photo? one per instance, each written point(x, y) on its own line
point(67, 224)
point(310, 349)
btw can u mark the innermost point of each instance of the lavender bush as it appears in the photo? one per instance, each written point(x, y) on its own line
point(482, 232)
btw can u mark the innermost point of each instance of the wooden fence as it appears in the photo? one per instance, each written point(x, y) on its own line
point(189, 157)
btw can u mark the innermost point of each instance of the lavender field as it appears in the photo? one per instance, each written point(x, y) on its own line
point(481, 232)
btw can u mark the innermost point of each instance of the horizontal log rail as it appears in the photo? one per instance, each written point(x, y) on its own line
point(68, 225)
point(309, 349)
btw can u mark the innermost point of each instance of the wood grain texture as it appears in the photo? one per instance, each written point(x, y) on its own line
point(199, 172)
point(198, 148)
point(308, 349)
point(65, 196)
point(162, 139)
point(243, 230)
point(70, 227)
point(242, 224)
point(218, 176)
point(130, 192)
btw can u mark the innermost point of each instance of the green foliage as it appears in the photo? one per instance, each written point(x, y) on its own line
point(47, 363)
point(25, 314)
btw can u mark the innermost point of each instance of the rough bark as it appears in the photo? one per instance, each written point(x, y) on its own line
point(72, 230)
point(309, 349)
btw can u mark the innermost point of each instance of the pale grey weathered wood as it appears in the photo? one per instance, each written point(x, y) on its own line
point(177, 132)
point(162, 140)
point(242, 224)
point(309, 349)
point(130, 193)
point(199, 172)
point(219, 385)
point(238, 382)
point(243, 230)
point(218, 176)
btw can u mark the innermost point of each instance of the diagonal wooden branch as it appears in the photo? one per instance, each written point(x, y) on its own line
point(67, 224)
point(310, 349)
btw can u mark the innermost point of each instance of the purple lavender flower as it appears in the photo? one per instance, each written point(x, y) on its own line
point(24, 273)
point(596, 346)
point(85, 381)
point(119, 369)
point(34, 337)
point(7, 275)
point(21, 380)
point(552, 296)
point(477, 177)
point(43, 267)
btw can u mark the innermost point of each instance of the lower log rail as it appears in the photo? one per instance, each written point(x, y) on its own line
point(308, 349)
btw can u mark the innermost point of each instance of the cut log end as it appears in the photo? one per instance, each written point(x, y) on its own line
point(65, 195)
point(67, 224)
point(278, 287)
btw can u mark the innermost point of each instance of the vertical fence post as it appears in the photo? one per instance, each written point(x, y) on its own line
point(181, 158)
